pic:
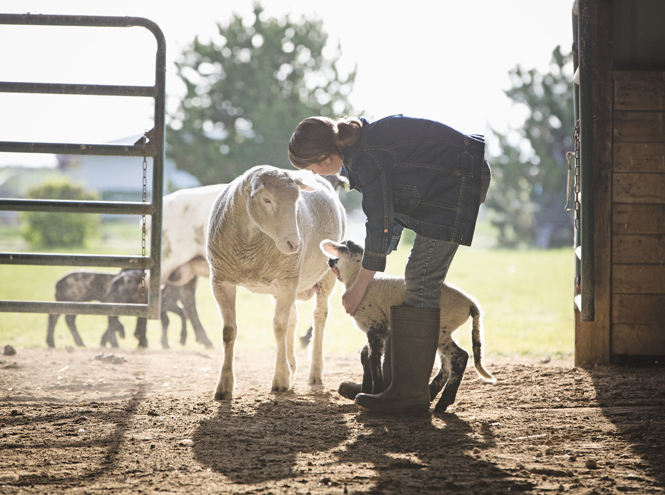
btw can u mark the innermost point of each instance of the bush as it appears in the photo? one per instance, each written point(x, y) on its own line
point(43, 229)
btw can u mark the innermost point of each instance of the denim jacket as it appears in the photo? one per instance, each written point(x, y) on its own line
point(419, 174)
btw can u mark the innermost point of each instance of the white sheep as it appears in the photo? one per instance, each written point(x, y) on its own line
point(264, 235)
point(185, 218)
point(373, 315)
point(184, 225)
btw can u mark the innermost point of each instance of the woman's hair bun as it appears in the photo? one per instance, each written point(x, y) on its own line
point(348, 129)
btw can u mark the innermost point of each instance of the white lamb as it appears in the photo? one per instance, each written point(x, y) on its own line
point(373, 315)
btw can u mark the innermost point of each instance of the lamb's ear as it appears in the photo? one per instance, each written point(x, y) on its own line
point(257, 185)
point(331, 248)
point(304, 187)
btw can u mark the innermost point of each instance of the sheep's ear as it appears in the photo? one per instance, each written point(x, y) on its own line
point(330, 248)
point(304, 187)
point(257, 185)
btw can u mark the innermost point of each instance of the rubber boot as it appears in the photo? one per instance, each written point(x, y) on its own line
point(415, 338)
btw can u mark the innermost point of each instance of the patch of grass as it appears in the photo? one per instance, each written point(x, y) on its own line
point(527, 297)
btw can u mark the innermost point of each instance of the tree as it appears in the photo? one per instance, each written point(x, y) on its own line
point(247, 90)
point(528, 191)
point(43, 229)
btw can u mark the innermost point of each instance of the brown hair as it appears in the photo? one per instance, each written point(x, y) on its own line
point(316, 138)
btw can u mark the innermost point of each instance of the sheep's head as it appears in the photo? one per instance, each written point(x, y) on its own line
point(272, 206)
point(344, 259)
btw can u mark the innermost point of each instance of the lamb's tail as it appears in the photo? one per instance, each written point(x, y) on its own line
point(477, 341)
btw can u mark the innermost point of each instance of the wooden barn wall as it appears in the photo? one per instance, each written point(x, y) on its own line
point(638, 215)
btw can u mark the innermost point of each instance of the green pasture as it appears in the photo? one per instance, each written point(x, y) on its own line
point(527, 296)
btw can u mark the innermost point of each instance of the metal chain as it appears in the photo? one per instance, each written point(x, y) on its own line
point(574, 179)
point(578, 183)
point(143, 200)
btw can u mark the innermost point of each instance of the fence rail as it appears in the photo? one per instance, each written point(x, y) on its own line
point(153, 146)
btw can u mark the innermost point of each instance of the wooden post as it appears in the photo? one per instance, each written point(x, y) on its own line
point(592, 338)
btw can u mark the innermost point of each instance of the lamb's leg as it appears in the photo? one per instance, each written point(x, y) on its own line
point(50, 331)
point(376, 339)
point(188, 298)
point(349, 390)
point(441, 377)
point(183, 328)
point(458, 358)
point(165, 327)
point(282, 379)
point(109, 336)
point(71, 323)
point(140, 331)
point(387, 362)
point(317, 364)
point(225, 295)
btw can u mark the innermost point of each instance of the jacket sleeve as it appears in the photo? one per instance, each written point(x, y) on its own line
point(377, 203)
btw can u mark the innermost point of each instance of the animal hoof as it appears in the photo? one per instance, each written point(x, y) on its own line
point(315, 380)
point(279, 388)
point(223, 396)
point(349, 390)
point(441, 407)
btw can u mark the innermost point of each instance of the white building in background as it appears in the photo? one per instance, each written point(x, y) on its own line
point(115, 178)
point(121, 177)
point(110, 176)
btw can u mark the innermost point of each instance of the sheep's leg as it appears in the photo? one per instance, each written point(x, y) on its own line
point(350, 390)
point(376, 340)
point(183, 328)
point(188, 298)
point(282, 379)
point(140, 331)
point(50, 331)
point(225, 295)
point(109, 335)
point(367, 370)
point(317, 364)
point(114, 321)
point(291, 339)
point(458, 358)
point(441, 377)
point(387, 361)
point(71, 323)
point(165, 327)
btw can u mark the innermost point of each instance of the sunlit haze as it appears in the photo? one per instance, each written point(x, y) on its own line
point(442, 60)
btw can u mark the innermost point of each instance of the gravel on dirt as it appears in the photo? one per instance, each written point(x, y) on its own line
point(87, 421)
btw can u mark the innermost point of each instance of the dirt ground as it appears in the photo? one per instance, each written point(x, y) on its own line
point(144, 422)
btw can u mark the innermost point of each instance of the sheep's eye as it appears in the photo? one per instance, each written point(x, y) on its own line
point(266, 200)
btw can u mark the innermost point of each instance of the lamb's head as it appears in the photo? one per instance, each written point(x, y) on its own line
point(272, 206)
point(345, 259)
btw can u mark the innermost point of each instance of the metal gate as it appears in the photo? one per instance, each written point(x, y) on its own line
point(152, 147)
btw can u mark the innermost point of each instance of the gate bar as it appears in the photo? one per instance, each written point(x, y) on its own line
point(135, 262)
point(75, 149)
point(64, 308)
point(155, 149)
point(66, 206)
point(77, 89)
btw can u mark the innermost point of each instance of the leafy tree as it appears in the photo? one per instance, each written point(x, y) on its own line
point(247, 90)
point(528, 191)
point(42, 229)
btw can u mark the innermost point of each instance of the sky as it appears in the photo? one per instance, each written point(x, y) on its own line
point(439, 59)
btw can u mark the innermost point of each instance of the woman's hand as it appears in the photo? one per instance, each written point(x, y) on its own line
point(354, 295)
